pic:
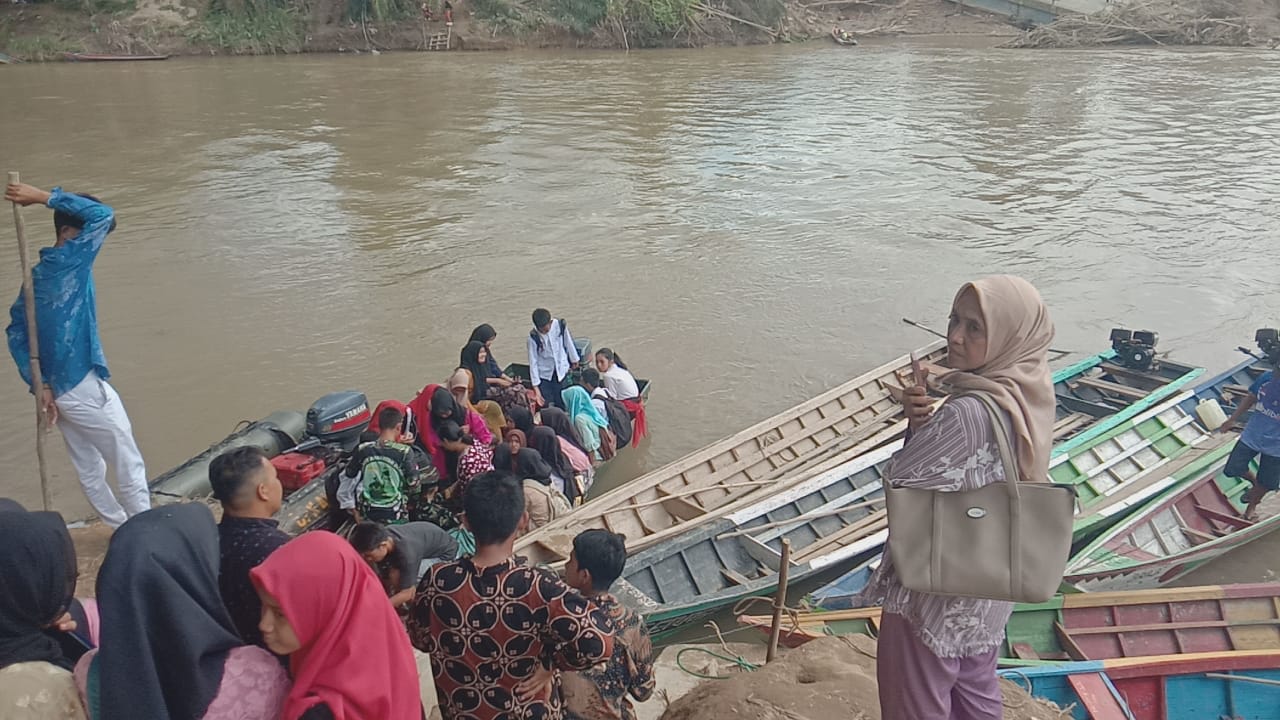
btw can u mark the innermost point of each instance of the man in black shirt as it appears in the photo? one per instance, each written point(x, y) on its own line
point(402, 553)
point(245, 482)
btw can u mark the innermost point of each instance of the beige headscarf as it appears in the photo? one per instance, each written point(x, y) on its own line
point(1016, 371)
point(462, 378)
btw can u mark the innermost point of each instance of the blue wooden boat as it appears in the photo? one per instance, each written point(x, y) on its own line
point(1230, 685)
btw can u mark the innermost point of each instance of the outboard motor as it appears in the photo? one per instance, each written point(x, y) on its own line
point(339, 418)
point(1268, 340)
point(1135, 349)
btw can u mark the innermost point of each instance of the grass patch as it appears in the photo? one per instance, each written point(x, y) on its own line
point(39, 48)
point(266, 32)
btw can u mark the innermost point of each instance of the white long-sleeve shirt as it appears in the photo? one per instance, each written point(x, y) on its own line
point(557, 352)
point(621, 383)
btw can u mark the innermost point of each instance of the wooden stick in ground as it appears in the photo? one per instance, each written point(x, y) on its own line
point(779, 601)
point(33, 342)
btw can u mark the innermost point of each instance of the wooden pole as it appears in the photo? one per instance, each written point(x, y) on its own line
point(779, 601)
point(33, 342)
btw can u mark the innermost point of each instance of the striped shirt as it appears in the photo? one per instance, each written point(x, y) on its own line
point(955, 450)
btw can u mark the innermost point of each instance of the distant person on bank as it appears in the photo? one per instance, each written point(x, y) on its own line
point(1260, 439)
point(75, 393)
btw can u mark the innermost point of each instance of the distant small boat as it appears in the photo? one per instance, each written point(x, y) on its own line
point(90, 57)
point(842, 37)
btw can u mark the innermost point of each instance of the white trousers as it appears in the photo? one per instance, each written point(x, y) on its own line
point(98, 433)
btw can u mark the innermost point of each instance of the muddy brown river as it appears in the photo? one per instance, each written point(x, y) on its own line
point(746, 227)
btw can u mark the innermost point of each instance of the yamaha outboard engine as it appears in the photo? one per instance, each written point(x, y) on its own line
point(339, 418)
point(1268, 340)
point(1135, 349)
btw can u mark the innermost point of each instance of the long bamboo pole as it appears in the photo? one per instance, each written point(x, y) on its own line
point(33, 342)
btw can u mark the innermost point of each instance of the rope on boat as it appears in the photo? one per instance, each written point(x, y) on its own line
point(793, 614)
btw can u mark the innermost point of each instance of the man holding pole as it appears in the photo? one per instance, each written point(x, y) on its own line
point(75, 394)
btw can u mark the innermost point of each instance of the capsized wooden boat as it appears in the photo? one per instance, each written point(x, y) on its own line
point(1097, 626)
point(823, 433)
point(1239, 685)
point(1176, 532)
point(832, 427)
point(95, 57)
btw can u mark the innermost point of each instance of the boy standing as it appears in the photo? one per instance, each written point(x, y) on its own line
point(381, 481)
point(1261, 437)
point(601, 692)
point(76, 395)
point(551, 355)
point(494, 626)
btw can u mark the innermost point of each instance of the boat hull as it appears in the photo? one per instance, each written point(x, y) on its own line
point(273, 434)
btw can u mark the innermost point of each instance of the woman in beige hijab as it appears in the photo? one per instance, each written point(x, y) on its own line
point(937, 654)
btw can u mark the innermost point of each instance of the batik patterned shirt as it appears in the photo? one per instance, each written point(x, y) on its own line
point(601, 692)
point(487, 629)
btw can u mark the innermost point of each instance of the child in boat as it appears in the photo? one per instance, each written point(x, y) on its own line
point(1261, 439)
point(381, 481)
point(496, 627)
point(400, 554)
point(619, 381)
point(601, 692)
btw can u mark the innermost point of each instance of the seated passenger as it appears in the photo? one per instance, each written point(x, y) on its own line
point(348, 652)
point(600, 692)
point(461, 385)
point(570, 443)
point(381, 481)
point(449, 430)
point(496, 377)
point(169, 648)
point(588, 421)
point(545, 441)
point(400, 554)
point(475, 358)
point(590, 381)
point(38, 567)
point(619, 381)
point(543, 503)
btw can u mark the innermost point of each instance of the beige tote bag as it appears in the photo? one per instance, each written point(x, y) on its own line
point(1006, 541)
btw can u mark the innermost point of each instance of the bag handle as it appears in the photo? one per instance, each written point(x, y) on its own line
point(1000, 429)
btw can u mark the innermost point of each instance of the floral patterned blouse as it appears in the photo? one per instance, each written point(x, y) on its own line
point(955, 450)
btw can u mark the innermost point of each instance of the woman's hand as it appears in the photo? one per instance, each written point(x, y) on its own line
point(916, 403)
point(537, 686)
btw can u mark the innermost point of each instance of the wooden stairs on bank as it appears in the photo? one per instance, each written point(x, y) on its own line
point(440, 40)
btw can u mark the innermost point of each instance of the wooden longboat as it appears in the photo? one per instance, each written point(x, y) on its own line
point(1240, 685)
point(95, 57)
point(823, 433)
point(1175, 533)
point(1123, 467)
point(1097, 626)
point(831, 517)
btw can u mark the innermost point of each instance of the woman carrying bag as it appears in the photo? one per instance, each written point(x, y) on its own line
point(937, 652)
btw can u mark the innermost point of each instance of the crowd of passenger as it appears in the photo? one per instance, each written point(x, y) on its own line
point(422, 605)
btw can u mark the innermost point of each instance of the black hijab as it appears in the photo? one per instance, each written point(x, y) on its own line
point(479, 371)
point(442, 401)
point(165, 631)
point(558, 420)
point(521, 419)
point(38, 571)
point(547, 444)
point(525, 463)
point(10, 505)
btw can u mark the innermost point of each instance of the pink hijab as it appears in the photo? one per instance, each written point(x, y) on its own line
point(1016, 370)
point(355, 655)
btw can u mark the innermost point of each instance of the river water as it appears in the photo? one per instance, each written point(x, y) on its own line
point(745, 226)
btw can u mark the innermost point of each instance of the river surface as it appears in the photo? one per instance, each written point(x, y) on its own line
point(747, 227)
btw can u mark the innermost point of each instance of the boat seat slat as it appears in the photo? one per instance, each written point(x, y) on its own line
point(1113, 388)
point(1223, 517)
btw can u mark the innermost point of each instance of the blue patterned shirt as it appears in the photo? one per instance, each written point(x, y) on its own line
point(66, 311)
